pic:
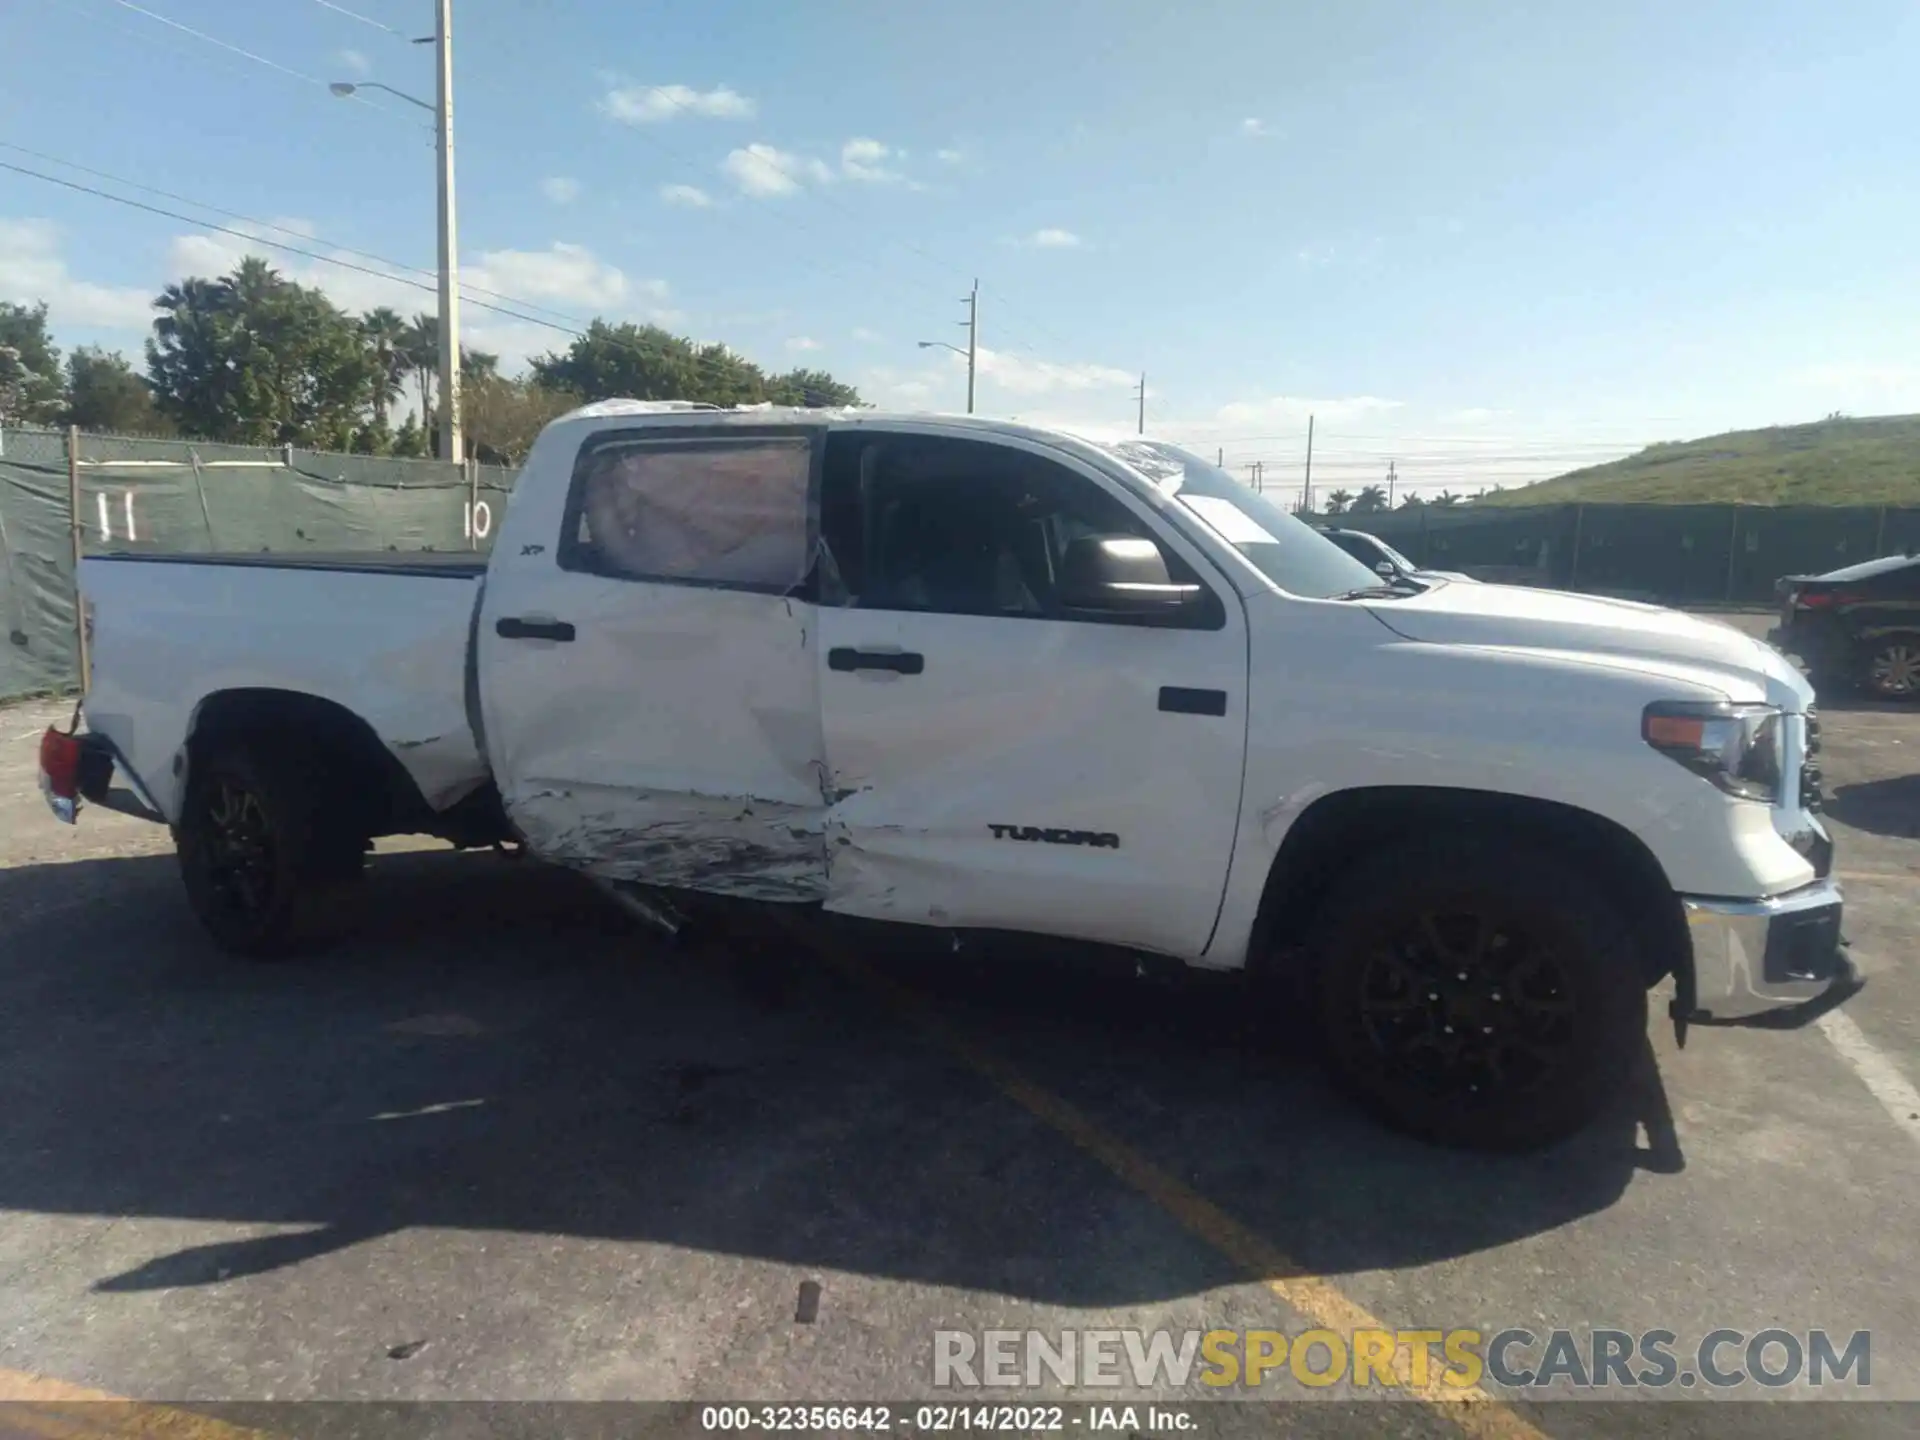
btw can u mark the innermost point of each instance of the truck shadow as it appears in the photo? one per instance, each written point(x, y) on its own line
point(499, 1049)
point(1879, 807)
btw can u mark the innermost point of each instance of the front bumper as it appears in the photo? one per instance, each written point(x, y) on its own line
point(1777, 962)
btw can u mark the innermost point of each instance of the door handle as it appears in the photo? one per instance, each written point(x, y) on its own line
point(516, 627)
point(1178, 700)
point(900, 662)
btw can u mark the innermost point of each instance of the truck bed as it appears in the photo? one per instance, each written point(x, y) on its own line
point(383, 635)
point(429, 564)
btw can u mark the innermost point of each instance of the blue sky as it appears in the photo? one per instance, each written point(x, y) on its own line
point(1486, 240)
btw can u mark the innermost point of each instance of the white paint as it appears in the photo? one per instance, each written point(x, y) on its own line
point(476, 520)
point(106, 520)
point(127, 498)
point(390, 648)
point(1896, 1093)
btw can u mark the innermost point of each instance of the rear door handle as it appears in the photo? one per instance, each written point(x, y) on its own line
point(900, 662)
point(515, 627)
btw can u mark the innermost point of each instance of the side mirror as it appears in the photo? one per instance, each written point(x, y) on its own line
point(1386, 569)
point(1121, 575)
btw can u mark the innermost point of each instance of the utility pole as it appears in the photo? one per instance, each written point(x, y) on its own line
point(973, 338)
point(1141, 428)
point(1220, 457)
point(1390, 480)
point(451, 447)
point(1306, 492)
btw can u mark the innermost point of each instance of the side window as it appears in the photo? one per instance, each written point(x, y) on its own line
point(963, 527)
point(728, 511)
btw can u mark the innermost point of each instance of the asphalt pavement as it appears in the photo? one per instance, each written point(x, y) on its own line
point(505, 1145)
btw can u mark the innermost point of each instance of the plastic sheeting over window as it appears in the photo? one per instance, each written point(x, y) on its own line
point(723, 512)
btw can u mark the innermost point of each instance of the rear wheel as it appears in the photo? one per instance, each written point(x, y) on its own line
point(1485, 997)
point(256, 854)
point(1893, 667)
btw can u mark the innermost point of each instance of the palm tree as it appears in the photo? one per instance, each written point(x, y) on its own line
point(1338, 501)
point(478, 365)
point(422, 350)
point(1446, 497)
point(1369, 501)
point(386, 336)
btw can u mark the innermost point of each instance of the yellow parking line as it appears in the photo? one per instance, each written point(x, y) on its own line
point(1472, 1409)
point(56, 1410)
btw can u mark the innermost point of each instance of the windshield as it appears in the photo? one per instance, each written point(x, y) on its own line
point(1394, 555)
point(1292, 555)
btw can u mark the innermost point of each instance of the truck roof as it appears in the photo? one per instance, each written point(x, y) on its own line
point(674, 413)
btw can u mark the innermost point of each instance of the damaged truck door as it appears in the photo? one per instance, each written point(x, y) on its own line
point(1034, 695)
point(648, 684)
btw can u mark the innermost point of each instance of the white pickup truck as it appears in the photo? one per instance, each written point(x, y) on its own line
point(982, 676)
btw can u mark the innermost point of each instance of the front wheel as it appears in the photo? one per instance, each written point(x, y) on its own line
point(1893, 667)
point(253, 853)
point(1479, 996)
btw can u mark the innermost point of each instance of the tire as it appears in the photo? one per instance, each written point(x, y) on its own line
point(1552, 982)
point(258, 859)
point(1890, 667)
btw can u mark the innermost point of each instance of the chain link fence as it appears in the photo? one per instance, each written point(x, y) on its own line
point(101, 492)
point(1668, 554)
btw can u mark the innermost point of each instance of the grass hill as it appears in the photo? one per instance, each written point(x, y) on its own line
point(1874, 461)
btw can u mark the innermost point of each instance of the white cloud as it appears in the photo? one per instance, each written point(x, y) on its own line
point(1296, 409)
point(567, 278)
point(651, 104)
point(1254, 128)
point(865, 159)
point(763, 172)
point(1030, 375)
point(561, 189)
point(803, 342)
point(354, 63)
point(1473, 415)
point(862, 333)
point(1053, 239)
point(951, 156)
point(32, 269)
point(687, 197)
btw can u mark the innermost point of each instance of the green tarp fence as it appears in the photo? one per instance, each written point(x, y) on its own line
point(188, 497)
point(1669, 554)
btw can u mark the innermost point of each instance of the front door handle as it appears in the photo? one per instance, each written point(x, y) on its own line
point(900, 662)
point(516, 627)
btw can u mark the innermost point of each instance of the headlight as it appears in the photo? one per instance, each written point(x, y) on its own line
point(1737, 747)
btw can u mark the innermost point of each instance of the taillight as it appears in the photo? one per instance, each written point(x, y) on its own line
point(1826, 599)
point(60, 763)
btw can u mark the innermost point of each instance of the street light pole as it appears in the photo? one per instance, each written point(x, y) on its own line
point(973, 338)
point(451, 447)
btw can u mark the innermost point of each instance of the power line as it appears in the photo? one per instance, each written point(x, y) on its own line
point(696, 358)
point(154, 15)
point(363, 19)
point(466, 288)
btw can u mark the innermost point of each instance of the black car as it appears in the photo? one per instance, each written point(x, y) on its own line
point(1859, 625)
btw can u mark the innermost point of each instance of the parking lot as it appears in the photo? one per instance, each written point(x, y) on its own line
point(504, 1144)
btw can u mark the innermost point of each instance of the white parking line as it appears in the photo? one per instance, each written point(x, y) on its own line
point(1892, 1089)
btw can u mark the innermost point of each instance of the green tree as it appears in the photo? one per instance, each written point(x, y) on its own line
point(254, 358)
point(1338, 501)
point(814, 389)
point(421, 347)
point(644, 362)
point(1446, 497)
point(104, 394)
point(30, 377)
point(1370, 501)
point(410, 441)
point(505, 416)
point(386, 335)
point(477, 365)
